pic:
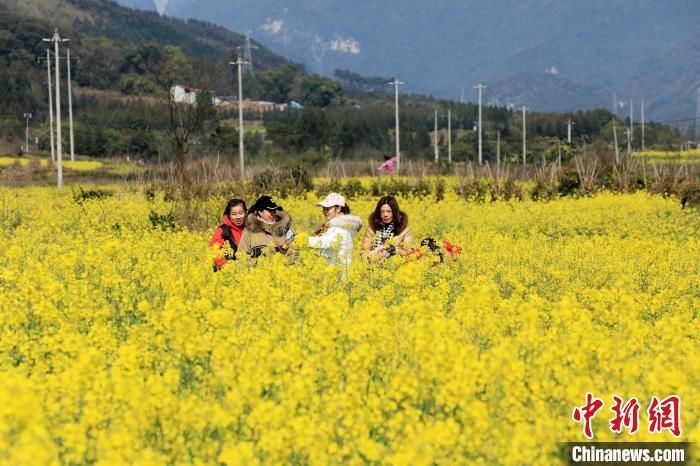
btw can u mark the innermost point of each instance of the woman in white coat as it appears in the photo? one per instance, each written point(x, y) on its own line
point(335, 238)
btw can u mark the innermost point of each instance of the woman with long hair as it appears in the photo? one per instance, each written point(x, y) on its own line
point(230, 231)
point(387, 231)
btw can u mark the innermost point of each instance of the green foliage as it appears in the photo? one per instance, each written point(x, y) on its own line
point(356, 82)
point(543, 190)
point(689, 193)
point(569, 183)
point(167, 221)
point(130, 84)
point(82, 195)
point(319, 91)
point(286, 181)
point(313, 129)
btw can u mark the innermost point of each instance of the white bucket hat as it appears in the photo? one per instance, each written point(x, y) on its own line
point(331, 200)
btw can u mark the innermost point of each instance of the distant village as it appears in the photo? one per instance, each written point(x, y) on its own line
point(188, 94)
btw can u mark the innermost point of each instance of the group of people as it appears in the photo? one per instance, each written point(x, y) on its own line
point(266, 228)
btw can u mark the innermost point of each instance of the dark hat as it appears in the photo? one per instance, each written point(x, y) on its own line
point(265, 203)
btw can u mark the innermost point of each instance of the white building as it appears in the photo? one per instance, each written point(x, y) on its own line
point(184, 94)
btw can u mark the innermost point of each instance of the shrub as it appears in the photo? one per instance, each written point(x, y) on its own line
point(569, 183)
point(82, 195)
point(163, 221)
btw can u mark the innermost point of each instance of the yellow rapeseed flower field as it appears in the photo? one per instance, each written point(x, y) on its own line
point(119, 345)
point(77, 165)
point(685, 156)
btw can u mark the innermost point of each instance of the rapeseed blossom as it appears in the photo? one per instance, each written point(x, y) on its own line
point(118, 345)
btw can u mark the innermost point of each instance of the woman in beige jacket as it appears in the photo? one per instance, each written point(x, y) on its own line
point(387, 231)
point(267, 229)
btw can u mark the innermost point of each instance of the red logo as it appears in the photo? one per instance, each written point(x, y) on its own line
point(663, 415)
point(587, 412)
point(626, 415)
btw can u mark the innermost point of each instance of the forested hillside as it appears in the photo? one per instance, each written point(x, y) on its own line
point(124, 62)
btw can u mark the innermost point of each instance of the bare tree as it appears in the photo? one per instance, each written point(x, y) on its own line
point(188, 112)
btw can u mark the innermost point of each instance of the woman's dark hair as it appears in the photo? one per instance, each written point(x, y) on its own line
point(391, 202)
point(233, 203)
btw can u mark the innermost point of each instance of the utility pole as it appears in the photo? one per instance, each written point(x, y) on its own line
point(48, 71)
point(631, 120)
point(435, 138)
point(396, 83)
point(27, 116)
point(480, 87)
point(241, 148)
point(617, 148)
point(524, 135)
point(697, 117)
point(70, 109)
point(568, 130)
point(56, 39)
point(629, 142)
point(449, 135)
point(498, 153)
point(642, 107)
point(559, 153)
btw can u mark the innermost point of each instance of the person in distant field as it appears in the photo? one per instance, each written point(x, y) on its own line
point(334, 239)
point(267, 229)
point(389, 166)
point(387, 231)
point(230, 231)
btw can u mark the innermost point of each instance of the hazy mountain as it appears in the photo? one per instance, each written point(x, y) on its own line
point(551, 92)
point(145, 5)
point(628, 46)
